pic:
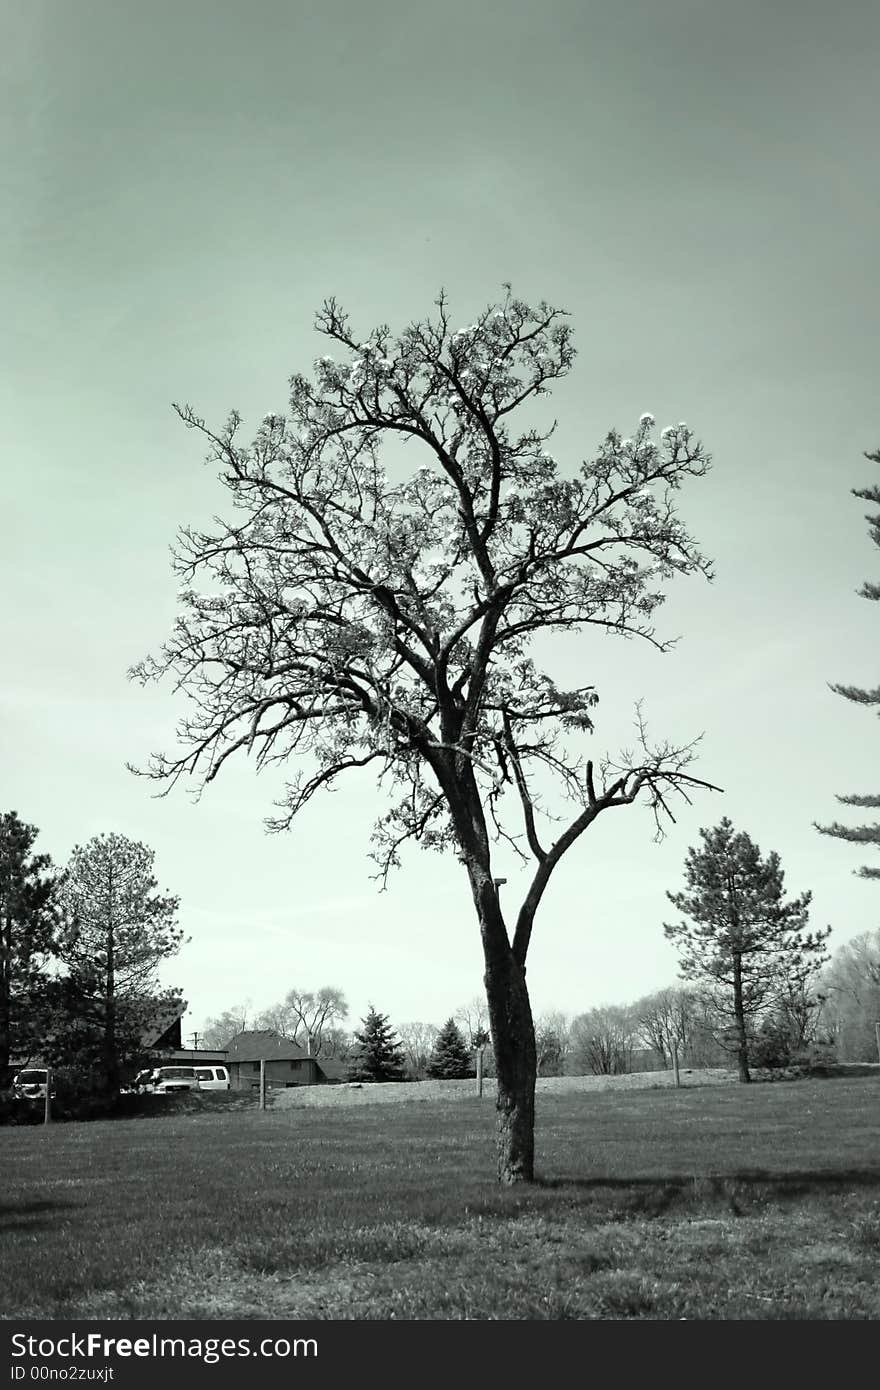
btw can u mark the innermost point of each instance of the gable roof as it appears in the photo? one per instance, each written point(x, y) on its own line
point(255, 1044)
point(333, 1068)
point(164, 1015)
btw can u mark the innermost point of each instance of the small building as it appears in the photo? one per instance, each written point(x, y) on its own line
point(287, 1064)
point(162, 1038)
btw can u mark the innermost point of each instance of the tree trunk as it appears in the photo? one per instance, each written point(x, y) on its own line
point(510, 1013)
point(6, 985)
point(742, 1046)
point(110, 1059)
point(513, 1036)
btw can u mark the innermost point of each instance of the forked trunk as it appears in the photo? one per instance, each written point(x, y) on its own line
point(513, 1035)
point(510, 1014)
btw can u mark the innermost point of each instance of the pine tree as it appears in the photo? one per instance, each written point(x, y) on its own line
point(450, 1059)
point(118, 931)
point(379, 1054)
point(744, 945)
point(27, 921)
point(862, 834)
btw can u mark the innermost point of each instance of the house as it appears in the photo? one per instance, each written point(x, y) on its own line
point(161, 1032)
point(161, 1037)
point(287, 1064)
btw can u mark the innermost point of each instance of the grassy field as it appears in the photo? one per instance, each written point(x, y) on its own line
point(706, 1203)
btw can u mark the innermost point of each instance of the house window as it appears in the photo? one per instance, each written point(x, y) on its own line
point(255, 1066)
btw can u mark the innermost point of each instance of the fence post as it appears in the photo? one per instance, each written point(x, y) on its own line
point(675, 1074)
point(47, 1111)
point(877, 1031)
point(262, 1083)
point(480, 1070)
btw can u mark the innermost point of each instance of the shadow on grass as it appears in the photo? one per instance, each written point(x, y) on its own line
point(795, 1183)
point(687, 1195)
point(31, 1216)
point(738, 1191)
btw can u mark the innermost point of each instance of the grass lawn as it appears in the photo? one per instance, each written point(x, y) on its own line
point(720, 1202)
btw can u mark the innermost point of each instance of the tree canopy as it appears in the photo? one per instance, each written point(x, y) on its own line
point(353, 613)
point(307, 1016)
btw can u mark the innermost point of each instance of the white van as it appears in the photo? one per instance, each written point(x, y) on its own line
point(31, 1083)
point(212, 1078)
point(165, 1081)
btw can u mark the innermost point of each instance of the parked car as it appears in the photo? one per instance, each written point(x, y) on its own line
point(212, 1078)
point(165, 1080)
point(31, 1083)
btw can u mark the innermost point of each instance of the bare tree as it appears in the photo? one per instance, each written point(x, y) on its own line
point(350, 617)
point(218, 1032)
point(603, 1040)
point(552, 1041)
point(667, 1020)
point(850, 985)
point(418, 1043)
point(474, 1019)
point(303, 1016)
point(336, 1043)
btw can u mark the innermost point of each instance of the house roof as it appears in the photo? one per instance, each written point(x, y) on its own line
point(163, 1017)
point(334, 1069)
point(256, 1044)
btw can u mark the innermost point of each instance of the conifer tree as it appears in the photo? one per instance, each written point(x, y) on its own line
point(862, 834)
point(745, 946)
point(27, 921)
point(119, 930)
point(451, 1059)
point(379, 1054)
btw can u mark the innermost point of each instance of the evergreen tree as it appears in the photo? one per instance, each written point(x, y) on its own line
point(117, 932)
point(379, 1054)
point(745, 946)
point(862, 834)
point(27, 921)
point(451, 1058)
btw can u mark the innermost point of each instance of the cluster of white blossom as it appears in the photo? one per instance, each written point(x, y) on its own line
point(205, 603)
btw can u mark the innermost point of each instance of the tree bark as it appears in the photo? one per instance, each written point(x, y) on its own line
point(742, 1046)
point(111, 1060)
point(5, 993)
point(513, 1035)
point(513, 1038)
point(510, 1014)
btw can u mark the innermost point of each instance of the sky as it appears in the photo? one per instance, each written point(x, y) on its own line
point(696, 184)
